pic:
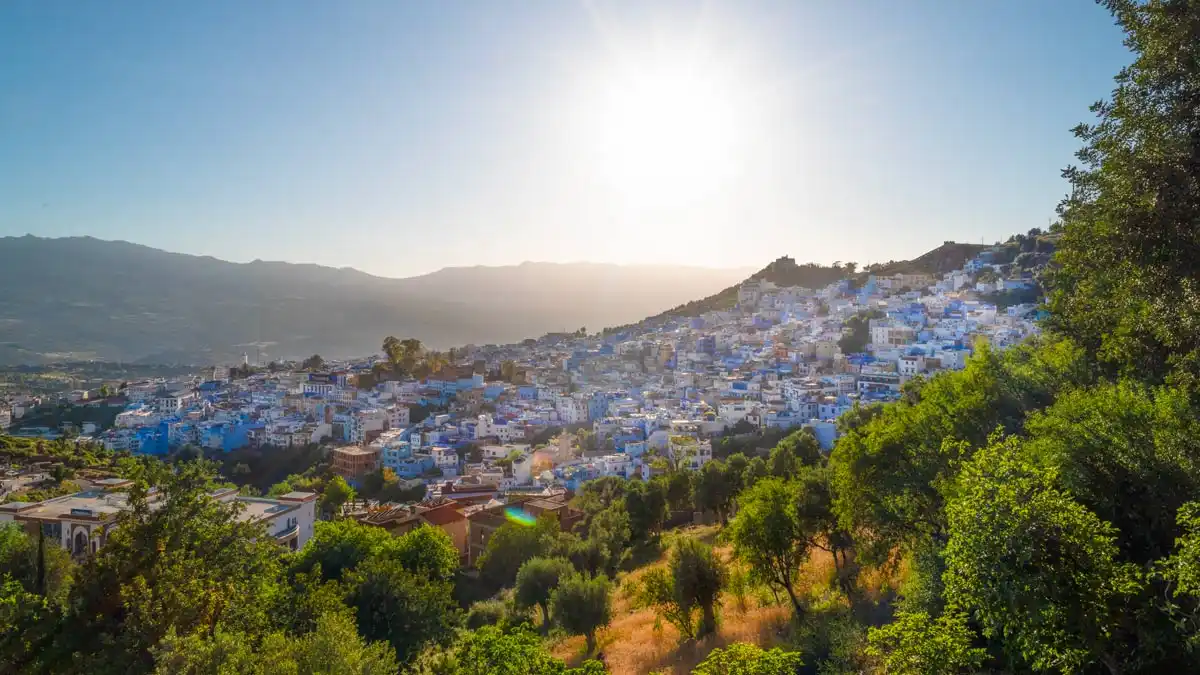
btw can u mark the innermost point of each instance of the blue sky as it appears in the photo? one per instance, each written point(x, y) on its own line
point(400, 137)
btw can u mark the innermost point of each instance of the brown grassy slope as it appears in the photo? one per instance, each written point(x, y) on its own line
point(637, 642)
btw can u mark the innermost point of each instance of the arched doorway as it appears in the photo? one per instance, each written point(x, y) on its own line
point(81, 543)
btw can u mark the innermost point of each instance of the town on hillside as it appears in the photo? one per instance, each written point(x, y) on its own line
point(454, 439)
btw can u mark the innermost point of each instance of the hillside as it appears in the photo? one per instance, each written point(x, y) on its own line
point(785, 272)
point(945, 258)
point(79, 298)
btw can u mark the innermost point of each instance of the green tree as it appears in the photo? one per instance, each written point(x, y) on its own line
point(679, 490)
point(517, 651)
point(699, 577)
point(428, 551)
point(741, 658)
point(40, 567)
point(393, 603)
point(715, 490)
point(536, 581)
point(337, 493)
point(184, 563)
point(334, 647)
point(610, 530)
point(582, 605)
point(511, 545)
point(656, 590)
point(338, 546)
point(888, 470)
point(1035, 567)
point(915, 644)
point(646, 504)
point(314, 362)
point(769, 535)
point(1125, 278)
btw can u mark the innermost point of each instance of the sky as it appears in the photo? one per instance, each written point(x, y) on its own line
point(402, 137)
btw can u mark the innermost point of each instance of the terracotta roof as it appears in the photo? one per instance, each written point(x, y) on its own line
point(443, 515)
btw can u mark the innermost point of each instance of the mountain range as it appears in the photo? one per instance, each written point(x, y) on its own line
point(83, 298)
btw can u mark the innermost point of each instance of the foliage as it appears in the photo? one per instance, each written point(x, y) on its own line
point(888, 471)
point(715, 489)
point(393, 603)
point(769, 535)
point(493, 651)
point(656, 590)
point(915, 644)
point(1034, 566)
point(334, 647)
point(699, 577)
point(536, 581)
point(187, 564)
point(857, 332)
point(337, 493)
point(1125, 279)
point(741, 658)
point(511, 545)
point(341, 545)
point(581, 605)
point(646, 504)
point(47, 573)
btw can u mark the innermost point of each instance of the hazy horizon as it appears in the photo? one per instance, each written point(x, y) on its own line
point(399, 139)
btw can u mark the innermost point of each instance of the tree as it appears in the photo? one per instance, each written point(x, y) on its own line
point(581, 605)
point(186, 563)
point(1035, 567)
point(536, 581)
point(40, 567)
point(516, 651)
point(741, 658)
point(393, 603)
point(768, 535)
point(699, 577)
point(888, 466)
point(857, 332)
point(796, 450)
point(314, 362)
point(656, 590)
point(714, 490)
point(429, 552)
point(646, 504)
point(337, 493)
point(679, 490)
point(338, 546)
point(511, 545)
point(610, 531)
point(333, 647)
point(756, 470)
point(915, 644)
point(1125, 276)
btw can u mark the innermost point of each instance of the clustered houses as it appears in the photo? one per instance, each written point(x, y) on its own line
point(81, 522)
point(633, 401)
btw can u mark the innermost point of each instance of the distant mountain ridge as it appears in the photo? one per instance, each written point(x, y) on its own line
point(80, 297)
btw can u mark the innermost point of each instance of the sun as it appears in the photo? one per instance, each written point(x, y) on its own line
point(664, 131)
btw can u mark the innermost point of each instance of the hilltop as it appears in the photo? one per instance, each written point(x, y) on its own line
point(784, 271)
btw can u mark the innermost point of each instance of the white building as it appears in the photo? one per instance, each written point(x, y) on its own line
point(81, 523)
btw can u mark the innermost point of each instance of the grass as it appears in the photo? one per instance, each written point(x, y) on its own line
point(638, 642)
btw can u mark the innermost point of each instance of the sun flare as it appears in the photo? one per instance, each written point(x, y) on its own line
point(667, 131)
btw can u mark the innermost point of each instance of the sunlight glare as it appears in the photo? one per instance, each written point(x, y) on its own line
point(667, 132)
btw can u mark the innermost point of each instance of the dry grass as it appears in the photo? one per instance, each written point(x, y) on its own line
point(638, 642)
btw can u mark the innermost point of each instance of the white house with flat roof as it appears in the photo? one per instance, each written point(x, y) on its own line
point(81, 522)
